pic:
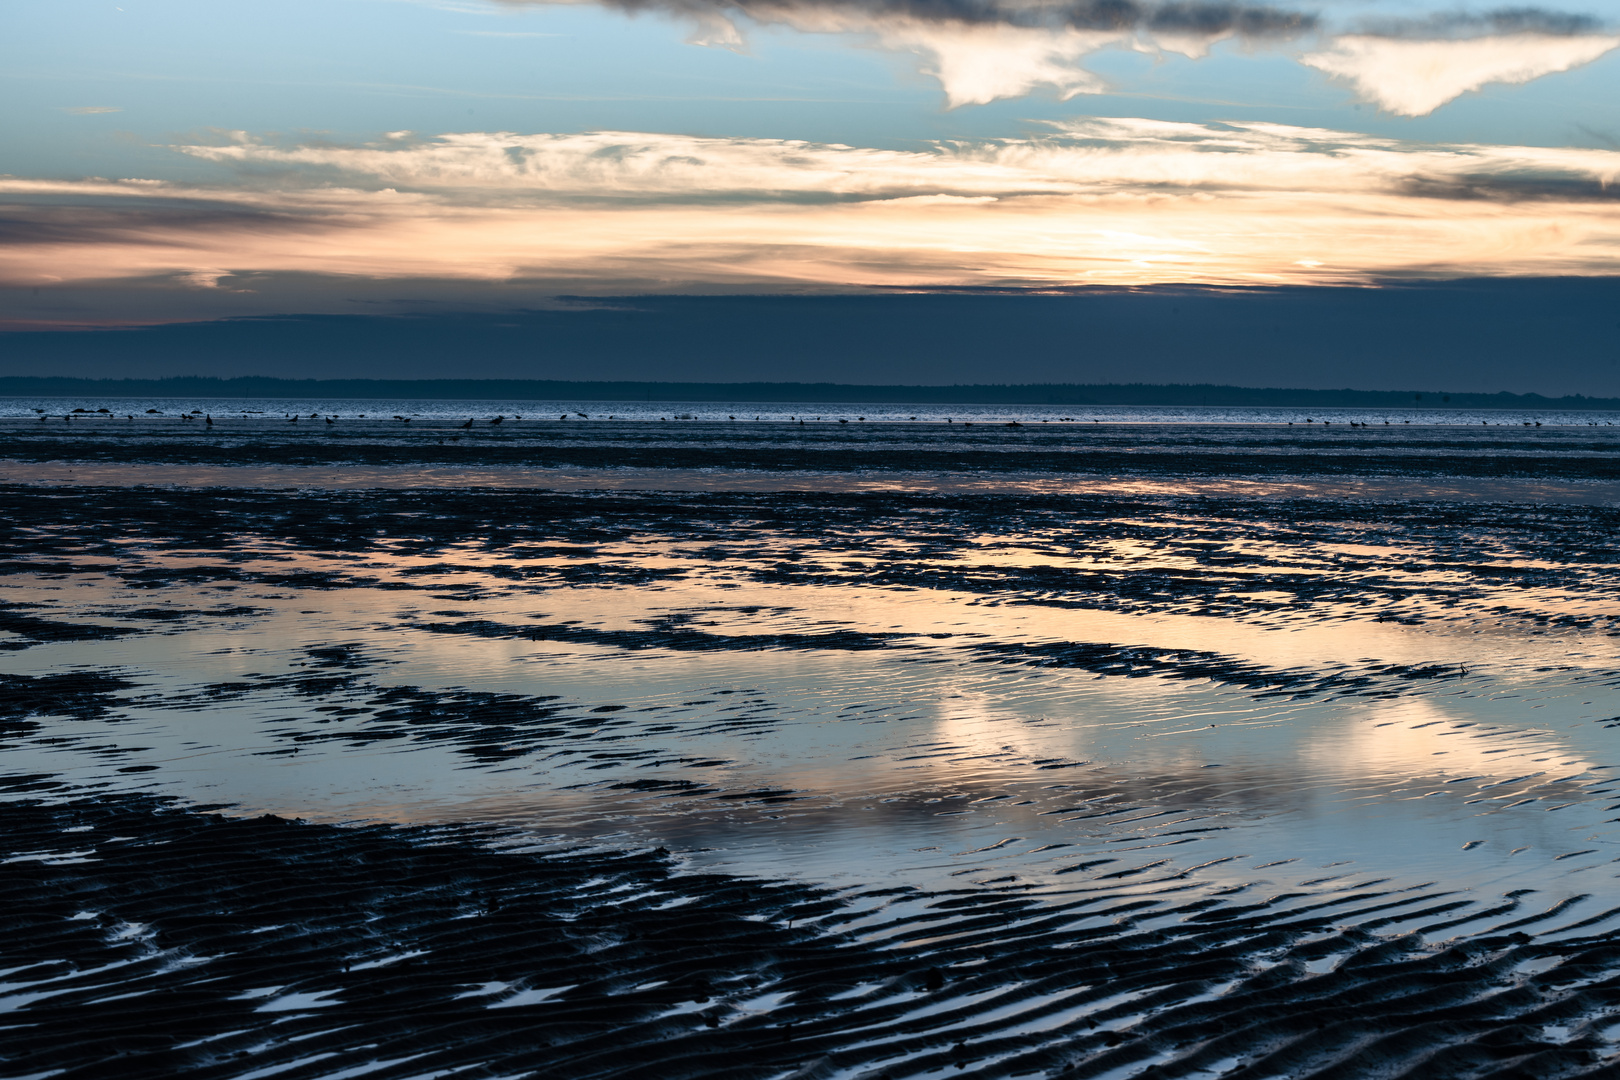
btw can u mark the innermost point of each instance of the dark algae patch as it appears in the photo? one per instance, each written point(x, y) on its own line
point(145, 940)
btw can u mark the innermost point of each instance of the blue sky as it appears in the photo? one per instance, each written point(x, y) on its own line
point(176, 159)
point(353, 69)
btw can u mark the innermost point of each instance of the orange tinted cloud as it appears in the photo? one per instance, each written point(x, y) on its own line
point(1106, 202)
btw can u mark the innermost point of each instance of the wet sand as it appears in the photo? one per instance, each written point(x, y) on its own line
point(406, 477)
point(767, 770)
point(202, 944)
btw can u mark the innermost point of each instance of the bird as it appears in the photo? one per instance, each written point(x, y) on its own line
point(497, 420)
point(468, 424)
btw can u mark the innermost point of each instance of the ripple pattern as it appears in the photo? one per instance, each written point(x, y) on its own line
point(141, 940)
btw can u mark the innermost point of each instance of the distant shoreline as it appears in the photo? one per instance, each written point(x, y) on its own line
point(1102, 394)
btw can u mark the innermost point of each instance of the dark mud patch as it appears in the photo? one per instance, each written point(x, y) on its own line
point(34, 630)
point(79, 695)
point(489, 728)
point(146, 941)
point(676, 638)
point(1139, 661)
point(174, 615)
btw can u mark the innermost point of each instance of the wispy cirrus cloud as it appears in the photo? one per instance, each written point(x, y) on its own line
point(1104, 202)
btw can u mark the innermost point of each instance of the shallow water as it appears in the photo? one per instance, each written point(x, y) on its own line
point(1190, 704)
point(885, 718)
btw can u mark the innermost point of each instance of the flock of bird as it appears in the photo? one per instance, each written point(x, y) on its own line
point(496, 421)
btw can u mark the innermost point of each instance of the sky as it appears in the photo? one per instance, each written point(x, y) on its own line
point(174, 161)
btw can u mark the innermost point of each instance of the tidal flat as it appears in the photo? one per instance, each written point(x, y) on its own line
point(869, 750)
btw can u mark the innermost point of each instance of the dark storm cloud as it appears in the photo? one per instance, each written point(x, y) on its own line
point(1197, 18)
point(1467, 24)
point(23, 223)
point(1510, 189)
point(1191, 17)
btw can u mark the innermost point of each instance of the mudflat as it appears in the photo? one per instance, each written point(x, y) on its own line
point(579, 748)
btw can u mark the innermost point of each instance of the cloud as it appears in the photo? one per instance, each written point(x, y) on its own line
point(979, 64)
point(1081, 158)
point(1415, 76)
point(1200, 18)
point(982, 50)
point(1460, 23)
point(1096, 202)
point(91, 110)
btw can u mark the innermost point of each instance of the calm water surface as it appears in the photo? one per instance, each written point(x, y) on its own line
point(839, 729)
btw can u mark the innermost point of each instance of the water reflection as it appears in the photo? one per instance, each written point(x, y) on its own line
point(924, 704)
